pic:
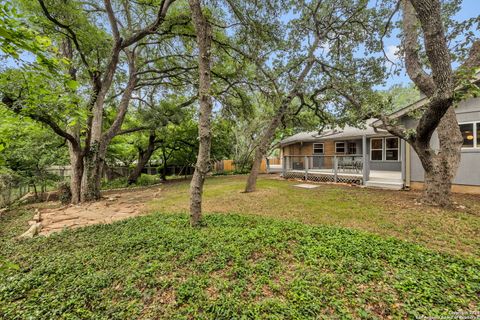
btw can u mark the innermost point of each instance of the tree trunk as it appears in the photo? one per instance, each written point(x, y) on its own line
point(163, 175)
point(143, 157)
point(437, 186)
point(91, 180)
point(443, 165)
point(76, 163)
point(204, 40)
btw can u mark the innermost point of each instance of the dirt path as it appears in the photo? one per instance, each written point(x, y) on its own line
point(114, 206)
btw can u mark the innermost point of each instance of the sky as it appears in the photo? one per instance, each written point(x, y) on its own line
point(470, 9)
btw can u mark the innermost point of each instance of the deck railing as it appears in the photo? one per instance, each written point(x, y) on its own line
point(335, 168)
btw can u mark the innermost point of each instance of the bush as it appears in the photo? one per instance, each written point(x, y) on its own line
point(143, 180)
point(147, 180)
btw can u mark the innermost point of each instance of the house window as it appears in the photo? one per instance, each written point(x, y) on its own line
point(352, 148)
point(392, 146)
point(318, 148)
point(339, 147)
point(384, 149)
point(477, 132)
point(376, 149)
point(468, 133)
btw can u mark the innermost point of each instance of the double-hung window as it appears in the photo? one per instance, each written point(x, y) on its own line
point(471, 134)
point(339, 147)
point(376, 149)
point(318, 148)
point(392, 149)
point(352, 148)
point(385, 149)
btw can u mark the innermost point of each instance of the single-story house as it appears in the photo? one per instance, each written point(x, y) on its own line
point(372, 157)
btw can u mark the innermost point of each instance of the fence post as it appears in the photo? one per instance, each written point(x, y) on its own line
point(335, 168)
point(305, 161)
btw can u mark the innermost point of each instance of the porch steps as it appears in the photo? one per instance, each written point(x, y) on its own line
point(390, 184)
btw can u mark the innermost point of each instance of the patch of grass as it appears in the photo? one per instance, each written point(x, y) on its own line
point(236, 267)
point(384, 212)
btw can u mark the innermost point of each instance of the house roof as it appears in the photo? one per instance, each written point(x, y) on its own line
point(372, 125)
point(334, 134)
point(414, 106)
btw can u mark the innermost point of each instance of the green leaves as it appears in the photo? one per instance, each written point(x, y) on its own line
point(72, 84)
point(6, 266)
point(16, 37)
point(237, 266)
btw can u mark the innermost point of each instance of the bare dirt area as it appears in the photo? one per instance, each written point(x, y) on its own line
point(114, 206)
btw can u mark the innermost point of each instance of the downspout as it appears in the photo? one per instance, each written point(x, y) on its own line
point(402, 161)
point(408, 170)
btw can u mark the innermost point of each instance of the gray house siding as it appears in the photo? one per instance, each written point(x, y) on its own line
point(469, 170)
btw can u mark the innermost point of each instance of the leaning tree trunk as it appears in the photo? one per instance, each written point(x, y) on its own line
point(444, 164)
point(204, 40)
point(264, 145)
point(269, 133)
point(143, 158)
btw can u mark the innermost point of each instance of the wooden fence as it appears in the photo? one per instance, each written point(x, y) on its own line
point(229, 165)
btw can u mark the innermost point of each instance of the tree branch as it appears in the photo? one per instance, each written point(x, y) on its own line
point(410, 43)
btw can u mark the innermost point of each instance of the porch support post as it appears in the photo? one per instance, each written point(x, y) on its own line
point(305, 161)
point(335, 169)
point(366, 167)
point(284, 166)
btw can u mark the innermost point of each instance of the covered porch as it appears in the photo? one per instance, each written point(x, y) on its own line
point(356, 168)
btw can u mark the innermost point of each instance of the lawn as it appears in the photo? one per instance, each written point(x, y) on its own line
point(242, 265)
point(387, 213)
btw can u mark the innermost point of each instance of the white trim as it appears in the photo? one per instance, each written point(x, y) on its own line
point(323, 148)
point(344, 147)
point(474, 128)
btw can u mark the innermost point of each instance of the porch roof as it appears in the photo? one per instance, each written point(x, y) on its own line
point(336, 133)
